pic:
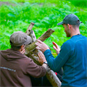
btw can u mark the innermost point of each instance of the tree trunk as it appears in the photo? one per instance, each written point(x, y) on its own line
point(32, 53)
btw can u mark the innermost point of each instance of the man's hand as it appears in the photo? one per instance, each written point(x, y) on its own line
point(56, 47)
point(41, 46)
point(41, 57)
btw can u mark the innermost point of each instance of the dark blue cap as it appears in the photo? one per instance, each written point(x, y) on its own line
point(70, 19)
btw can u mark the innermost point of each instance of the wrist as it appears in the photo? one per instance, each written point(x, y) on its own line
point(44, 50)
point(57, 52)
point(45, 63)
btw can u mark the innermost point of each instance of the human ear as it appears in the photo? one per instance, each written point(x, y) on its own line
point(22, 47)
point(69, 26)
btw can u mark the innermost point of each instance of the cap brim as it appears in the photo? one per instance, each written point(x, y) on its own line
point(29, 40)
point(60, 23)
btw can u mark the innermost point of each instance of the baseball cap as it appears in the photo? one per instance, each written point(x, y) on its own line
point(70, 19)
point(19, 38)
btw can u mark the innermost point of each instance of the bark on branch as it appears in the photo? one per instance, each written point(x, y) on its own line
point(42, 38)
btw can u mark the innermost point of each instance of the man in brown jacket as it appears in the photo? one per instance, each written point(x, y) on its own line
point(15, 67)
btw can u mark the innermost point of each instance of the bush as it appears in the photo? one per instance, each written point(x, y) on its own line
point(44, 15)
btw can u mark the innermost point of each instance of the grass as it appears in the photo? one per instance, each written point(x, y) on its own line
point(44, 13)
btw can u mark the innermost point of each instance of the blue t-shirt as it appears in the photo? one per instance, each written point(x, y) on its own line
point(73, 59)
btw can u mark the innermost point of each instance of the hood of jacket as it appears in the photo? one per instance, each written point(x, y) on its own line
point(10, 54)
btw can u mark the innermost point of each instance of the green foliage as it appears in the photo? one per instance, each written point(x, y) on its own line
point(45, 14)
point(80, 3)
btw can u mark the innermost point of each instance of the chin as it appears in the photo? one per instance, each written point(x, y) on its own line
point(68, 35)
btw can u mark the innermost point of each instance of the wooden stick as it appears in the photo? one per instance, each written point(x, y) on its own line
point(42, 38)
point(29, 28)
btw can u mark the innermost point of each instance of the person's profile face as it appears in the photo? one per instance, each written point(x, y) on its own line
point(66, 30)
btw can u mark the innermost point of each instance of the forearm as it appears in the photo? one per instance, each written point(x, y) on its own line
point(50, 59)
point(54, 63)
point(45, 66)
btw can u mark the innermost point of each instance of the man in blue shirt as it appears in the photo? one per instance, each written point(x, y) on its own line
point(72, 56)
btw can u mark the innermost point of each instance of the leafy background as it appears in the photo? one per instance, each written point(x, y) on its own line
point(44, 13)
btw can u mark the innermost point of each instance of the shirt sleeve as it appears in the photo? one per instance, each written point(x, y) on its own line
point(35, 70)
point(56, 63)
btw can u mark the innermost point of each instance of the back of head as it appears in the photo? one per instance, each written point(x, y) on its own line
point(17, 39)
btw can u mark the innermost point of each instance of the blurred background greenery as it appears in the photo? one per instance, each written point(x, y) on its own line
point(44, 13)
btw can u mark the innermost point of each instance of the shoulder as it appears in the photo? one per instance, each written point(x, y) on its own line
point(27, 58)
point(24, 60)
point(68, 43)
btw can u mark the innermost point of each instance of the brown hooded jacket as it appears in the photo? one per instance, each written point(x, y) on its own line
point(16, 69)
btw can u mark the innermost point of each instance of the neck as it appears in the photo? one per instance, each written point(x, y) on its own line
point(75, 32)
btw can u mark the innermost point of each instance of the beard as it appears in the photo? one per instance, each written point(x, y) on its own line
point(67, 33)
